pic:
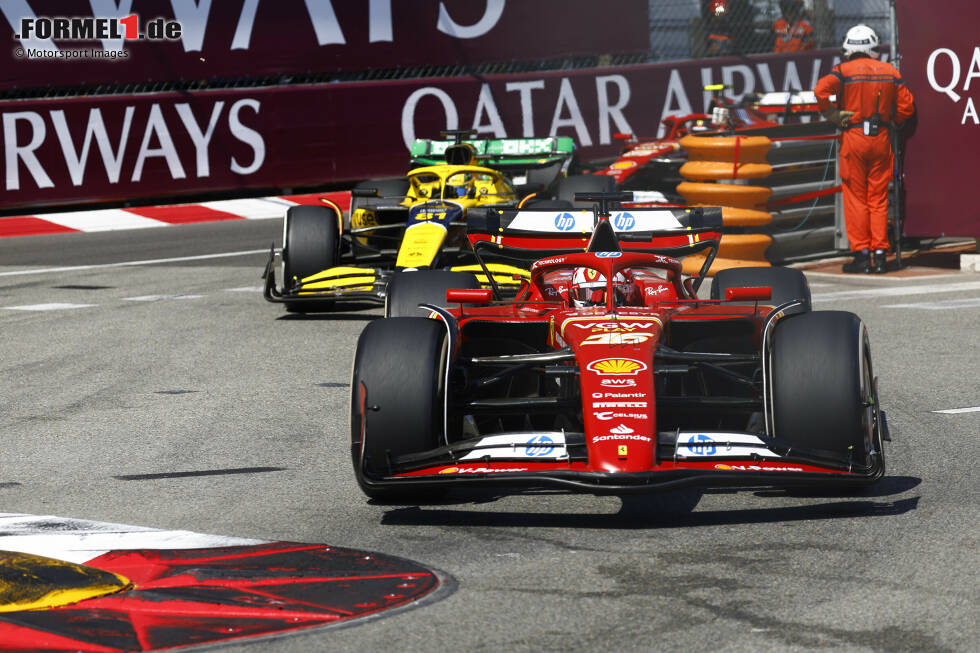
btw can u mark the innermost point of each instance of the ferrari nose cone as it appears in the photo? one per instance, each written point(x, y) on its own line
point(31, 582)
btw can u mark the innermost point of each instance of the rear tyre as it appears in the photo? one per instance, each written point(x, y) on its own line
point(823, 394)
point(397, 396)
point(787, 284)
point(568, 186)
point(311, 239)
point(407, 290)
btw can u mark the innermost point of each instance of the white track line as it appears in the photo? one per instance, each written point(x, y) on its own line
point(899, 292)
point(957, 411)
point(970, 302)
point(81, 540)
point(157, 298)
point(46, 307)
point(74, 268)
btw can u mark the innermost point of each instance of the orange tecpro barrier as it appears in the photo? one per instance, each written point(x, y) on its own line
point(718, 167)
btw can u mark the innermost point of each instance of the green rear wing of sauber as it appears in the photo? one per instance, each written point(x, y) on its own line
point(503, 154)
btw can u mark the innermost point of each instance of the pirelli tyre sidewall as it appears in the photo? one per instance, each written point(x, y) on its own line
point(311, 236)
point(397, 394)
point(822, 385)
point(787, 284)
point(407, 290)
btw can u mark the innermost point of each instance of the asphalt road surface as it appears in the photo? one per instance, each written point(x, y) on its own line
point(111, 369)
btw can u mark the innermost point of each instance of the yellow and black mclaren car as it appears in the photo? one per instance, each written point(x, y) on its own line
point(414, 225)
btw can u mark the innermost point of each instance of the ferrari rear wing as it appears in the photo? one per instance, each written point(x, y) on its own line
point(528, 233)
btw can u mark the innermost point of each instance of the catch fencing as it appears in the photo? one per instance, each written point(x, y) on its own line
point(679, 29)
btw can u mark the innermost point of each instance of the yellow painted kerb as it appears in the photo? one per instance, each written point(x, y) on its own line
point(33, 582)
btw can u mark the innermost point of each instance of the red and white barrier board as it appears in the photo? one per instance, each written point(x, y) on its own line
point(124, 148)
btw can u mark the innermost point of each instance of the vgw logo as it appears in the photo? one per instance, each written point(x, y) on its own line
point(705, 447)
point(565, 221)
point(538, 446)
point(624, 221)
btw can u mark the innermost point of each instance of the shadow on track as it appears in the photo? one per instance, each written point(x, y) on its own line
point(338, 311)
point(633, 516)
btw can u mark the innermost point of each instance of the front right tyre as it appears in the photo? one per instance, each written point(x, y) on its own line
point(397, 396)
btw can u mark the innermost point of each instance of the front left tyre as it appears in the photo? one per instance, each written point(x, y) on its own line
point(823, 393)
point(311, 244)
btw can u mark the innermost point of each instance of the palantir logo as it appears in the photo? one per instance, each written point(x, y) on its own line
point(624, 221)
point(565, 221)
point(705, 446)
point(538, 446)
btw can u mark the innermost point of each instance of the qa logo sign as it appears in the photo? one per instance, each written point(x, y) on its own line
point(565, 221)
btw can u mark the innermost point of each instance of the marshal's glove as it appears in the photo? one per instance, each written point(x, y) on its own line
point(839, 118)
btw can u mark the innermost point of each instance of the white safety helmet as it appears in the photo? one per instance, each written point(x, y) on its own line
point(860, 38)
point(588, 288)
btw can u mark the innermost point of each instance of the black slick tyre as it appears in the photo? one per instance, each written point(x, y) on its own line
point(311, 238)
point(787, 283)
point(397, 396)
point(822, 386)
point(407, 290)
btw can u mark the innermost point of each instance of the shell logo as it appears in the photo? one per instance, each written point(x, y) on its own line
point(617, 366)
point(449, 470)
point(623, 165)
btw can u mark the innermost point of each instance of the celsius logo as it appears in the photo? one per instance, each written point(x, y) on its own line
point(565, 221)
point(624, 221)
point(701, 445)
point(541, 445)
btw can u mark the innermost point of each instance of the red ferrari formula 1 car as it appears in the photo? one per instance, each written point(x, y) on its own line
point(608, 375)
point(654, 163)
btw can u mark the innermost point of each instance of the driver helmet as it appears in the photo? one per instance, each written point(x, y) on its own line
point(588, 288)
point(718, 8)
point(462, 186)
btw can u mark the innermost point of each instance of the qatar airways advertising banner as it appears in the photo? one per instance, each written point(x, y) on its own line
point(54, 43)
point(941, 65)
point(165, 145)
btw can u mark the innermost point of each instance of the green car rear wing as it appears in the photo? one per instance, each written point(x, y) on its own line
point(505, 154)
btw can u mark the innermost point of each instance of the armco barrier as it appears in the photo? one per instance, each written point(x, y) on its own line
point(776, 192)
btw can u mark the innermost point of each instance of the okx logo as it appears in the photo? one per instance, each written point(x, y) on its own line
point(565, 221)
